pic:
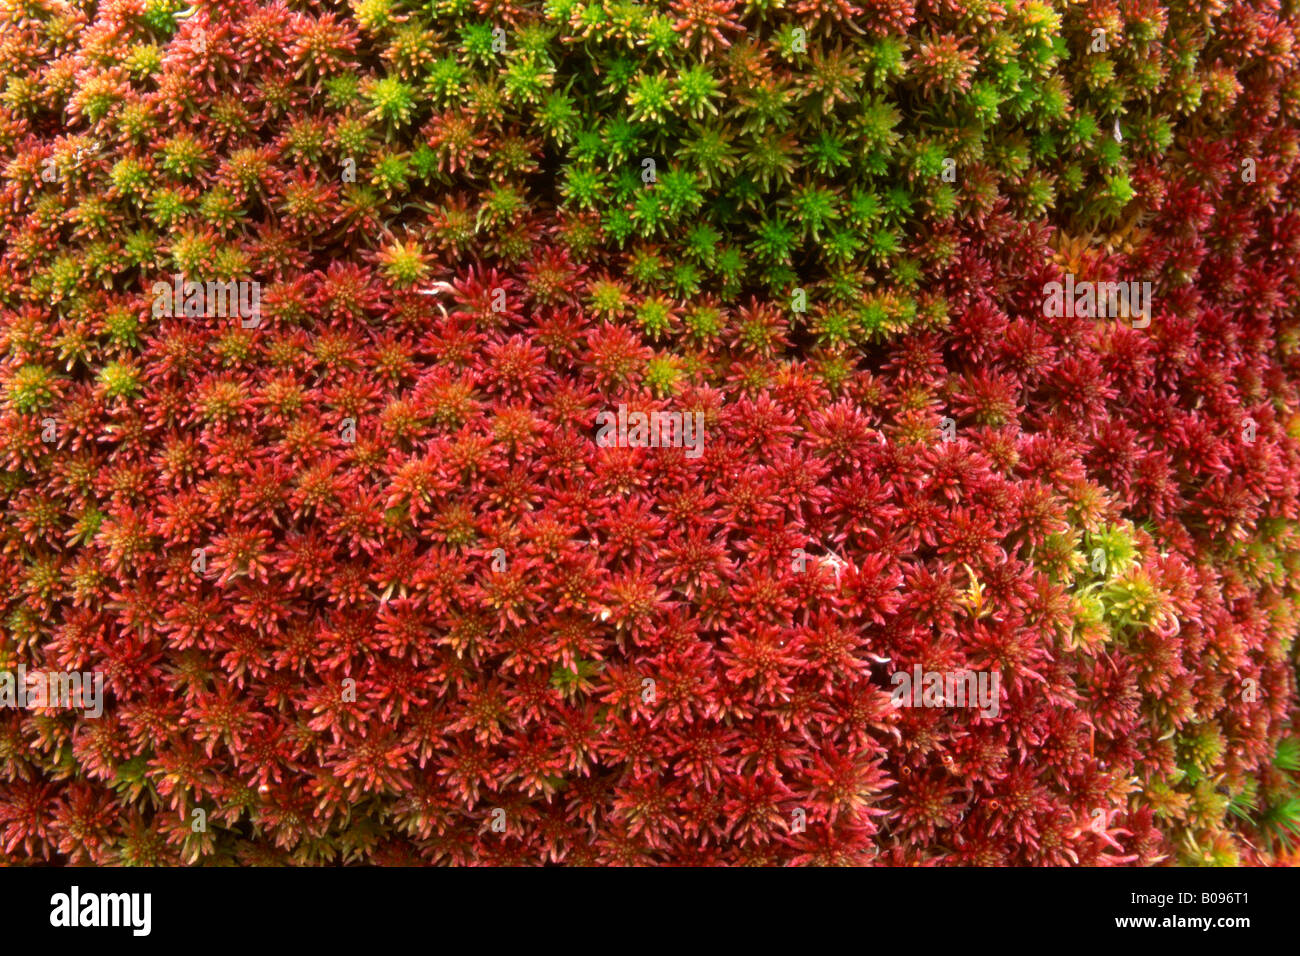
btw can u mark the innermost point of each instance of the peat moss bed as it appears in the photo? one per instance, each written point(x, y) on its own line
point(311, 315)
